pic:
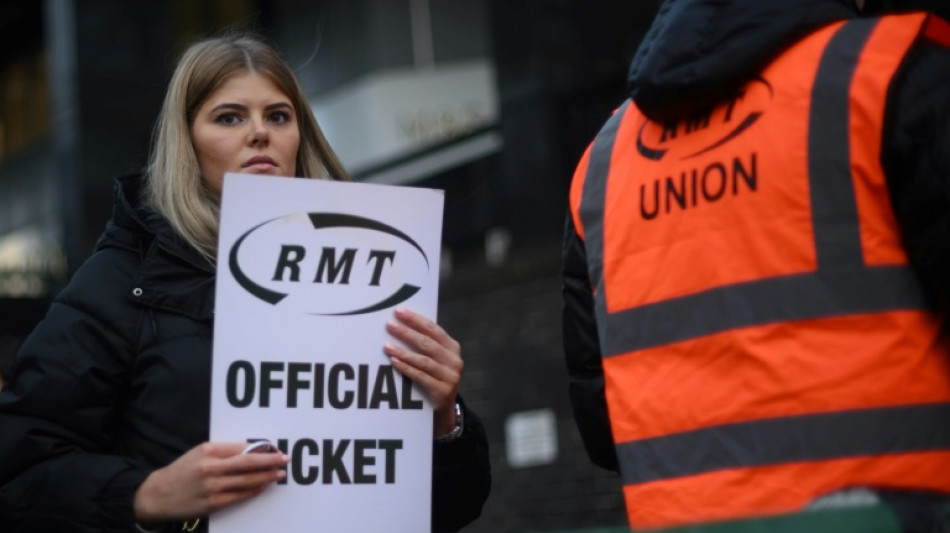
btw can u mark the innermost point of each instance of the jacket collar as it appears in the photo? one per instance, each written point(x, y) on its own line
point(172, 275)
point(130, 211)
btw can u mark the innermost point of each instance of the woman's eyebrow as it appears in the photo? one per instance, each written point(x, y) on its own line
point(228, 105)
point(279, 105)
point(241, 107)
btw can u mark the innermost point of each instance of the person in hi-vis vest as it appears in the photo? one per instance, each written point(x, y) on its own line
point(757, 265)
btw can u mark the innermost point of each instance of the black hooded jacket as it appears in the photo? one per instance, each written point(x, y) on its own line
point(698, 52)
point(115, 383)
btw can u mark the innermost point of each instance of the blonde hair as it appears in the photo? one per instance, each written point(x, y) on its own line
point(174, 187)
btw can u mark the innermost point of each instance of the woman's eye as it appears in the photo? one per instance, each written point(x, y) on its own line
point(281, 117)
point(227, 119)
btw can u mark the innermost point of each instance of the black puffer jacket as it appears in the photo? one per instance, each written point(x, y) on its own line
point(115, 383)
point(699, 51)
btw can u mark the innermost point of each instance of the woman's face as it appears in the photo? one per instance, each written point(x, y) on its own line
point(247, 125)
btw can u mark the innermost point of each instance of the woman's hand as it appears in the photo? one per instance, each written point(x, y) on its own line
point(433, 361)
point(206, 478)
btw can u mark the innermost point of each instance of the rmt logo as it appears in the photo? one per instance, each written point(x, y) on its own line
point(328, 263)
point(705, 130)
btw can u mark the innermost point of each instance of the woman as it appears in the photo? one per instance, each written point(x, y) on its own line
point(105, 417)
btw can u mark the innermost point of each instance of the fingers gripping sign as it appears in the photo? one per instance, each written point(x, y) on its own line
point(432, 359)
point(208, 477)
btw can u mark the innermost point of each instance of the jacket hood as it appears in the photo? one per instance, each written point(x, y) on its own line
point(170, 274)
point(698, 52)
point(133, 222)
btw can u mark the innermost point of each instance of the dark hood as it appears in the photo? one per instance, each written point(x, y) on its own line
point(698, 52)
point(133, 223)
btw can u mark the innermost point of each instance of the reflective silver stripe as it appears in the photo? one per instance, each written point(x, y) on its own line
point(834, 211)
point(841, 285)
point(837, 435)
point(593, 198)
point(758, 303)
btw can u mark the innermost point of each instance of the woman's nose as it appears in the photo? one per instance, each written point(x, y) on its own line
point(259, 134)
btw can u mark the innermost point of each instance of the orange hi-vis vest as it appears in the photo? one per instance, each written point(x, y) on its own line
point(764, 339)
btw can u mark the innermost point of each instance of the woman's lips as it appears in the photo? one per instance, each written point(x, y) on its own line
point(259, 164)
point(260, 168)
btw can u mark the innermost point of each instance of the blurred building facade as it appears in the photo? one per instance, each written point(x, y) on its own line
point(491, 100)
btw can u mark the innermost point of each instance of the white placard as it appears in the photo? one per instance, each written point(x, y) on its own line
point(309, 271)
